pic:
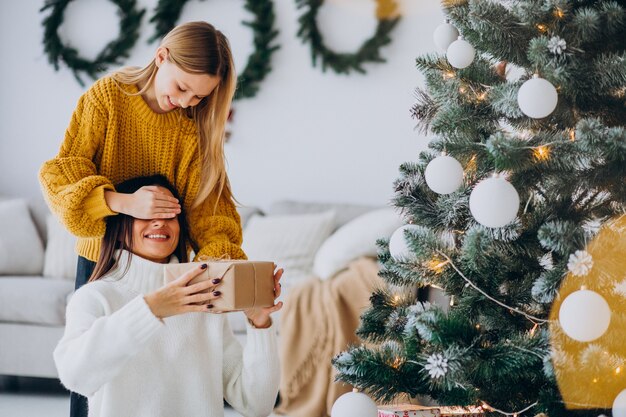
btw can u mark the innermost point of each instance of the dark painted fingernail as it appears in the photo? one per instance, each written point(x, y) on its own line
point(209, 306)
point(217, 293)
point(216, 281)
point(203, 266)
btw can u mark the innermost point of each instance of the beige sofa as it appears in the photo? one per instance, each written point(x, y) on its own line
point(32, 301)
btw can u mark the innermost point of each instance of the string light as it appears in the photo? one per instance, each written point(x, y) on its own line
point(396, 299)
point(542, 27)
point(542, 153)
point(481, 96)
point(618, 370)
point(558, 12)
point(436, 265)
point(534, 329)
point(397, 362)
point(448, 74)
point(572, 135)
point(513, 414)
point(462, 90)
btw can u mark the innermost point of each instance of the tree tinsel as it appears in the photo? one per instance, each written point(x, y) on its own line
point(344, 63)
point(130, 21)
point(167, 13)
point(497, 339)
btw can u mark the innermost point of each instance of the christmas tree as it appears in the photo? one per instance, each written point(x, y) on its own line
point(514, 212)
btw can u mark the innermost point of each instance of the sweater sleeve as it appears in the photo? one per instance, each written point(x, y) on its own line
point(70, 181)
point(217, 232)
point(251, 384)
point(95, 346)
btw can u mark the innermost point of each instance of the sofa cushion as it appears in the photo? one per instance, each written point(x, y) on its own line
point(60, 259)
point(290, 241)
point(28, 299)
point(354, 240)
point(21, 250)
point(344, 212)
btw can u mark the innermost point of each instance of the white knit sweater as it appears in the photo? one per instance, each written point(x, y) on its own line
point(130, 364)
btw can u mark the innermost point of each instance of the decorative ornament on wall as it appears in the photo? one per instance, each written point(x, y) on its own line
point(167, 13)
point(130, 21)
point(344, 63)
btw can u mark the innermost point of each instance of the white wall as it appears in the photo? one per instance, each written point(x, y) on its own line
point(307, 135)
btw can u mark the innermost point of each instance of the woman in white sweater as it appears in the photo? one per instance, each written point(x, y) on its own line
point(136, 347)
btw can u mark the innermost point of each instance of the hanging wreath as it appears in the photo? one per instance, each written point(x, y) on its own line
point(130, 20)
point(167, 13)
point(343, 63)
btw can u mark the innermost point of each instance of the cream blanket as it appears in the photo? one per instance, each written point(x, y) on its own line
point(319, 320)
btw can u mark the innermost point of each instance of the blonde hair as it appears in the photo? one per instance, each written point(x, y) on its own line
point(197, 47)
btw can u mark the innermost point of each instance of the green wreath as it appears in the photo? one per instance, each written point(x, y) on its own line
point(343, 63)
point(130, 20)
point(167, 13)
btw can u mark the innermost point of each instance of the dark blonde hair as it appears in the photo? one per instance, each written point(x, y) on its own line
point(197, 47)
point(119, 230)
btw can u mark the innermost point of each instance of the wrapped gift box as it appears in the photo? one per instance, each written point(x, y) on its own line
point(411, 410)
point(245, 284)
point(407, 410)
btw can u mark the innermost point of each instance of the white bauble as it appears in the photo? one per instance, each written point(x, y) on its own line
point(537, 98)
point(494, 202)
point(444, 174)
point(460, 53)
point(619, 405)
point(353, 404)
point(444, 35)
point(398, 247)
point(584, 315)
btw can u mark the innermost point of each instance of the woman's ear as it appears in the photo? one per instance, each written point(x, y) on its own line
point(161, 55)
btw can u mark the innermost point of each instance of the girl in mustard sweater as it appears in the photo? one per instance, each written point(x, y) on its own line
point(166, 118)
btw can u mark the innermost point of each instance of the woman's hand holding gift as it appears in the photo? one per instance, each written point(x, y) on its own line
point(260, 317)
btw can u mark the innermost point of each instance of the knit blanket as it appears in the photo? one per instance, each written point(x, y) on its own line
point(319, 321)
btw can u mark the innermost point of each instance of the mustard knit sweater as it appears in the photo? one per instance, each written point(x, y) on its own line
point(113, 137)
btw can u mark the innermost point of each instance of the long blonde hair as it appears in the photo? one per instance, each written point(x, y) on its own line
point(197, 47)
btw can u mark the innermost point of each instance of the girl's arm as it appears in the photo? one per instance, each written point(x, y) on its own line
point(218, 232)
point(70, 182)
point(96, 346)
point(251, 384)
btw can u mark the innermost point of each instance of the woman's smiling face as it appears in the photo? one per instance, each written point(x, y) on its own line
point(156, 239)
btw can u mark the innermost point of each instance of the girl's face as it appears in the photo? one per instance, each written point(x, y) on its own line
point(156, 239)
point(174, 87)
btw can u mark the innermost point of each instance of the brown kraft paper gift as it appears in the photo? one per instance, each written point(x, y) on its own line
point(245, 284)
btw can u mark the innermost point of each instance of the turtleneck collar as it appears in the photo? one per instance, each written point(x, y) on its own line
point(143, 276)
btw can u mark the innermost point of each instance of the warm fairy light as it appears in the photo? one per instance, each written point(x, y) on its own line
point(481, 96)
point(395, 300)
point(487, 406)
point(542, 27)
point(397, 362)
point(595, 380)
point(542, 153)
point(534, 329)
point(462, 90)
point(452, 300)
point(618, 370)
point(572, 135)
point(436, 265)
point(559, 13)
point(448, 74)
point(478, 327)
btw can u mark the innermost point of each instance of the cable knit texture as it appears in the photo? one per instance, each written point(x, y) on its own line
point(113, 137)
point(129, 363)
